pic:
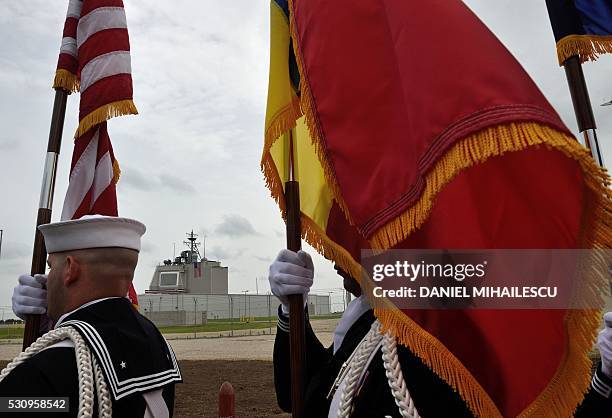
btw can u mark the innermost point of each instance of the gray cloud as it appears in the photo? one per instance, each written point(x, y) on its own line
point(266, 260)
point(14, 261)
point(203, 233)
point(235, 226)
point(136, 179)
point(147, 247)
point(221, 253)
point(12, 251)
point(217, 252)
point(175, 183)
point(9, 144)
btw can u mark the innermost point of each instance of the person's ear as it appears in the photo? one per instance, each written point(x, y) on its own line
point(72, 270)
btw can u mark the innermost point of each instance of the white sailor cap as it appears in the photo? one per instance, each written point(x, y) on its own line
point(92, 231)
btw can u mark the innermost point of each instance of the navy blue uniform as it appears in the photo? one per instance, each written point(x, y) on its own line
point(132, 353)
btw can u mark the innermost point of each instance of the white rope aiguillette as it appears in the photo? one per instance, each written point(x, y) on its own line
point(88, 369)
point(359, 361)
point(395, 377)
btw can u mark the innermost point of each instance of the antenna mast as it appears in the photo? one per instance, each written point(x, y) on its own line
point(192, 243)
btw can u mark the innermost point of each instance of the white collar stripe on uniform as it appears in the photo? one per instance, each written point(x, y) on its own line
point(104, 357)
point(97, 339)
point(123, 388)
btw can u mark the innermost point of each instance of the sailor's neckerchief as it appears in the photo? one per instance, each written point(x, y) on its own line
point(352, 313)
point(132, 353)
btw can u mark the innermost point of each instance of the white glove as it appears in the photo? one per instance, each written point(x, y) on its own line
point(291, 274)
point(30, 296)
point(604, 343)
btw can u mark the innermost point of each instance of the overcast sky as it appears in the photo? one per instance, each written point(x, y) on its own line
point(190, 160)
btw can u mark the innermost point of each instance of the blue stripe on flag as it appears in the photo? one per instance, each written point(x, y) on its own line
point(596, 16)
point(283, 4)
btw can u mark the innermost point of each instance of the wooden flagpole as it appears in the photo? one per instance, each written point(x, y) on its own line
point(39, 256)
point(297, 328)
point(582, 106)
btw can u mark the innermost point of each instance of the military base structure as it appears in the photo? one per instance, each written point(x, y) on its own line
point(191, 289)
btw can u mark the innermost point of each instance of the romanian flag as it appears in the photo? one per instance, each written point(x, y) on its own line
point(95, 60)
point(415, 128)
point(581, 27)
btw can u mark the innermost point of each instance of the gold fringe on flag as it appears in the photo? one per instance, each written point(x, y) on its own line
point(284, 120)
point(587, 47)
point(116, 172)
point(477, 148)
point(64, 79)
point(104, 113)
point(317, 238)
point(273, 181)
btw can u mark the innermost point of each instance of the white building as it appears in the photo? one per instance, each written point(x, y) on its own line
point(190, 290)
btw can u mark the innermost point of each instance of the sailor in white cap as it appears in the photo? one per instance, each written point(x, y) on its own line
point(101, 353)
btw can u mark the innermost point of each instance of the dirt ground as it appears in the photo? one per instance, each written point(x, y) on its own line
point(198, 395)
point(207, 363)
point(252, 380)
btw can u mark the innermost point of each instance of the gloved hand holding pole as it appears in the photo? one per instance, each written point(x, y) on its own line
point(291, 274)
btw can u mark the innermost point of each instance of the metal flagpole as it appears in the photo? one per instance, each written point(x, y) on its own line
point(582, 106)
point(297, 328)
point(39, 255)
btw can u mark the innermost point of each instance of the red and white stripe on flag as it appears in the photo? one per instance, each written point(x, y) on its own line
point(95, 59)
point(93, 175)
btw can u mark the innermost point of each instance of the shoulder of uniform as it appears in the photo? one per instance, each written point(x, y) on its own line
point(40, 373)
point(58, 352)
point(52, 358)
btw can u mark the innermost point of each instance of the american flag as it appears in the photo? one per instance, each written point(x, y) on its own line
point(95, 59)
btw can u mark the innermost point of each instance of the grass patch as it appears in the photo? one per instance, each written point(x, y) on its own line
point(274, 318)
point(219, 325)
point(10, 333)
